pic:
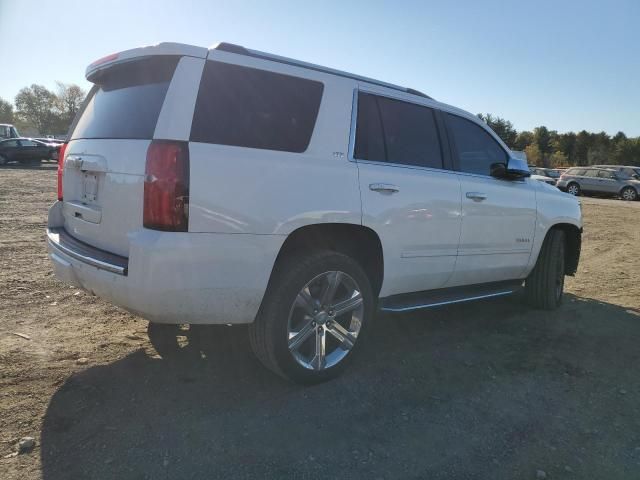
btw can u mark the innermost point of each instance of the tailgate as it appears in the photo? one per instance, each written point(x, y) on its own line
point(103, 187)
point(104, 165)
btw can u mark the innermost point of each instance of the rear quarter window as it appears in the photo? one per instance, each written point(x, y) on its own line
point(126, 100)
point(248, 107)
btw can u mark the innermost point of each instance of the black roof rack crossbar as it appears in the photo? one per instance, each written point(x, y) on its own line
point(232, 48)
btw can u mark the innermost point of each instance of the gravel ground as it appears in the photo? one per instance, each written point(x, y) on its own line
point(489, 390)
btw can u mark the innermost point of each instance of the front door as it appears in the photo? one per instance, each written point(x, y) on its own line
point(29, 151)
point(10, 149)
point(498, 216)
point(608, 182)
point(408, 197)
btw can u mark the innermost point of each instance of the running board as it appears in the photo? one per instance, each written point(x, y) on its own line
point(447, 296)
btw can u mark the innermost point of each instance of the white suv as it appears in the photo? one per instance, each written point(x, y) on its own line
point(229, 186)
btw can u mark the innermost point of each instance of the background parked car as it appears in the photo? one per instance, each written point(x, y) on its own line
point(603, 181)
point(546, 172)
point(8, 131)
point(52, 141)
point(544, 178)
point(623, 170)
point(26, 150)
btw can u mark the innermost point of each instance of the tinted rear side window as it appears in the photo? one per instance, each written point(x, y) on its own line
point(126, 100)
point(477, 150)
point(247, 107)
point(397, 132)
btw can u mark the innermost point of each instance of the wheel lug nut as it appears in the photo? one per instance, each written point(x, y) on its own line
point(313, 324)
point(319, 329)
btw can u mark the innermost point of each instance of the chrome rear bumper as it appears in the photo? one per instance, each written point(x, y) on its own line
point(59, 240)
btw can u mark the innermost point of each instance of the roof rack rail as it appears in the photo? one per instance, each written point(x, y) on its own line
point(240, 50)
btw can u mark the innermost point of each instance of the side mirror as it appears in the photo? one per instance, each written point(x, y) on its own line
point(498, 170)
point(513, 170)
point(517, 168)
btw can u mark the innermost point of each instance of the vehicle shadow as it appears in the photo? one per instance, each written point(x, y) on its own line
point(489, 390)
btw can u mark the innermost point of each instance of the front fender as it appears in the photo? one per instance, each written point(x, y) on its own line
point(554, 209)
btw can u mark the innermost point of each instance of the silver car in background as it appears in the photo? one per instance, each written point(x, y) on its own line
point(602, 181)
point(623, 170)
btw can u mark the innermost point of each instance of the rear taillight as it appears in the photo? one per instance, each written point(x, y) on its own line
point(166, 186)
point(63, 148)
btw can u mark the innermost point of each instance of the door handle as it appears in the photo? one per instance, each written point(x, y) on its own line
point(383, 188)
point(477, 196)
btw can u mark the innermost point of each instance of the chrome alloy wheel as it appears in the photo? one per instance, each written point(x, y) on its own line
point(325, 320)
point(573, 189)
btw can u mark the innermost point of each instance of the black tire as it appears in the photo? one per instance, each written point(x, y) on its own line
point(166, 339)
point(572, 185)
point(545, 285)
point(629, 194)
point(268, 334)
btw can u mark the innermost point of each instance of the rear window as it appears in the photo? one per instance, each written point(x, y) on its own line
point(576, 171)
point(126, 100)
point(247, 107)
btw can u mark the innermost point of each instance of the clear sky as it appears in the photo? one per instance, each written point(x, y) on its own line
point(569, 65)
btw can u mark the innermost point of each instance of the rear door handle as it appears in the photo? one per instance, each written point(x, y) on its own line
point(383, 188)
point(477, 196)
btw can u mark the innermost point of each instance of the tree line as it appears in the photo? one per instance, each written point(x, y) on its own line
point(39, 111)
point(549, 148)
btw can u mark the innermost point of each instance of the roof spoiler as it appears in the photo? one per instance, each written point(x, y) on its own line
point(165, 48)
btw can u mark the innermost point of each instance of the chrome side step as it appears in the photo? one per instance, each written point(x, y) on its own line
point(447, 296)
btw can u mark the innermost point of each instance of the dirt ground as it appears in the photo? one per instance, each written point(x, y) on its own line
point(490, 390)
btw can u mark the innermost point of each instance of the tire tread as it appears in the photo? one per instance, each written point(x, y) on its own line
point(540, 285)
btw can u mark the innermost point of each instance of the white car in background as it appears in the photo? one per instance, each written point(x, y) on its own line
point(544, 179)
point(229, 186)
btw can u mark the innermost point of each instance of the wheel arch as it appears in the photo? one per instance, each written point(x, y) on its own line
point(629, 186)
point(573, 239)
point(359, 242)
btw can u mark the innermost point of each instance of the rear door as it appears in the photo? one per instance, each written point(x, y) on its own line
point(608, 182)
point(498, 215)
point(105, 159)
point(409, 197)
point(589, 181)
